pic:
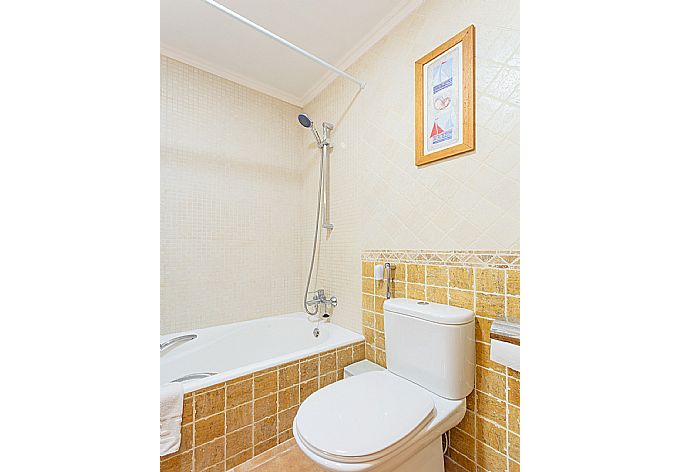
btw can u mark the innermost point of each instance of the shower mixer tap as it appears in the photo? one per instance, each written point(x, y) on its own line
point(319, 298)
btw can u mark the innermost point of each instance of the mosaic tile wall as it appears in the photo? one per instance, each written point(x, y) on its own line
point(488, 283)
point(229, 423)
point(228, 199)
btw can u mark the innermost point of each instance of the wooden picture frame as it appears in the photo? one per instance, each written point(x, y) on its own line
point(444, 108)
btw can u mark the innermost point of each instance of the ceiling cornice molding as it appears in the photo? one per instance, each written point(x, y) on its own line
point(194, 61)
point(384, 27)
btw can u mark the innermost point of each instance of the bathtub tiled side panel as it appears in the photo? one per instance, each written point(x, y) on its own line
point(487, 282)
point(229, 423)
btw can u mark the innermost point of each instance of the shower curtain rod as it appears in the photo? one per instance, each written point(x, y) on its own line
point(285, 42)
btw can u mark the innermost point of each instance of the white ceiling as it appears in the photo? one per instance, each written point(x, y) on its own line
point(337, 31)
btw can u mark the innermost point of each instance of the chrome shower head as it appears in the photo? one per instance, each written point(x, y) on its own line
point(305, 121)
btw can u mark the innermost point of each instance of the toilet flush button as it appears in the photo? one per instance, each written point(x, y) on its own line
point(422, 303)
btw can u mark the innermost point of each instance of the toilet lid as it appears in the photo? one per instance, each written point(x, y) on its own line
point(363, 415)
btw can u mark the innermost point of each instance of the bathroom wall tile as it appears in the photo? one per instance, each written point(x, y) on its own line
point(437, 275)
point(381, 357)
point(368, 319)
point(380, 288)
point(186, 439)
point(285, 418)
point(490, 459)
point(209, 403)
point(416, 291)
point(288, 398)
point(187, 409)
point(238, 459)
point(308, 369)
point(209, 428)
point(209, 454)
point(219, 467)
point(467, 423)
point(491, 408)
point(368, 286)
point(367, 269)
point(514, 419)
point(344, 357)
point(461, 298)
point(491, 306)
point(284, 436)
point(461, 277)
point(513, 308)
point(379, 323)
point(368, 334)
point(288, 375)
point(380, 340)
point(368, 302)
point(264, 446)
point(238, 393)
point(219, 209)
point(265, 384)
point(466, 463)
point(327, 362)
point(239, 417)
point(265, 429)
point(416, 274)
point(462, 442)
point(491, 382)
point(490, 280)
point(513, 466)
point(265, 407)
point(513, 282)
point(378, 304)
point(513, 373)
point(307, 388)
point(482, 329)
point(399, 290)
point(358, 352)
point(437, 295)
point(400, 273)
point(514, 391)
point(491, 434)
point(238, 441)
point(328, 378)
point(178, 463)
point(514, 446)
point(369, 351)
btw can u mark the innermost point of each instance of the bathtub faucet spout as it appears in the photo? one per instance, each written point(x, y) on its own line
point(178, 339)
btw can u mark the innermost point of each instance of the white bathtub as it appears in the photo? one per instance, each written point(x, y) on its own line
point(237, 349)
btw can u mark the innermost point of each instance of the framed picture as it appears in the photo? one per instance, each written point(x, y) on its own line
point(444, 99)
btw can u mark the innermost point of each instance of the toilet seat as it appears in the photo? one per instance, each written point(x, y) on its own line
point(363, 418)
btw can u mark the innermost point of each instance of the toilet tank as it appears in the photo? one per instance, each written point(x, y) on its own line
point(431, 345)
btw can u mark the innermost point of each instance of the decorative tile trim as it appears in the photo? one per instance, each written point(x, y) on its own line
point(479, 259)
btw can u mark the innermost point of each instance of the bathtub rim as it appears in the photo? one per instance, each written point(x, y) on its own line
point(191, 386)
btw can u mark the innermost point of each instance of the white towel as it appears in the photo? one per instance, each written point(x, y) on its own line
point(171, 417)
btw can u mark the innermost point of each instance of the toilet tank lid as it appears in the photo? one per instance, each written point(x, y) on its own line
point(434, 312)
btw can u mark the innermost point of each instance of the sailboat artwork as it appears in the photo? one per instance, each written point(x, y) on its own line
point(444, 94)
point(443, 122)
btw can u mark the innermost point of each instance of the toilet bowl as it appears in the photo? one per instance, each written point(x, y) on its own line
point(376, 421)
point(393, 420)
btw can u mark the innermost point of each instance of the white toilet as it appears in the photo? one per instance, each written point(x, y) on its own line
point(394, 419)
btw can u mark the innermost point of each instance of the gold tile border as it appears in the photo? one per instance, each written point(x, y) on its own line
point(483, 258)
point(488, 283)
point(226, 424)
